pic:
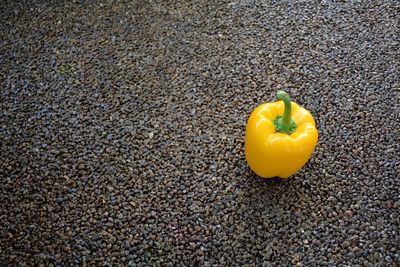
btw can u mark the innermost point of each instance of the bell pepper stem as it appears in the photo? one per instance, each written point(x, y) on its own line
point(285, 124)
point(288, 109)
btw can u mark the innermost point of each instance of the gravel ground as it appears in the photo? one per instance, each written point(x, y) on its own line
point(122, 133)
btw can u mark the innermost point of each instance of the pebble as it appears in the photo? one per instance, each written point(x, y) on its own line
point(377, 256)
point(346, 244)
point(122, 133)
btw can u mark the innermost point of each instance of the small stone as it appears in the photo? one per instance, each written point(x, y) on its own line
point(254, 61)
point(348, 213)
point(346, 244)
point(377, 255)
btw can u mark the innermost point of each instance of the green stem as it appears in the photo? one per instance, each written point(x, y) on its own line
point(285, 124)
point(288, 109)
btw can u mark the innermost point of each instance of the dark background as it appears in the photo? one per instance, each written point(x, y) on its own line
point(122, 133)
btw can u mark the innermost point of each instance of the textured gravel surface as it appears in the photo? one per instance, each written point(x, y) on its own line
point(122, 133)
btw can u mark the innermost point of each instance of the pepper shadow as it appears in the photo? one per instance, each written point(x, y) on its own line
point(267, 188)
point(267, 199)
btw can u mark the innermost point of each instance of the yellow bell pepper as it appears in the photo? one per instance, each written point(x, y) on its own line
point(280, 138)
